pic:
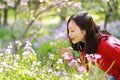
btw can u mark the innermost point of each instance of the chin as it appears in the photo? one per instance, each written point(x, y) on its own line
point(74, 42)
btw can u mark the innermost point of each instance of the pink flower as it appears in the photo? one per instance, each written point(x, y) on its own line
point(49, 70)
point(66, 56)
point(73, 62)
point(58, 73)
point(64, 73)
point(81, 68)
point(97, 56)
point(93, 57)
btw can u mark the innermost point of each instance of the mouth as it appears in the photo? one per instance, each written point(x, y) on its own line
point(72, 39)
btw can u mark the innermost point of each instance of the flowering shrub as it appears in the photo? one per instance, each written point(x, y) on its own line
point(25, 66)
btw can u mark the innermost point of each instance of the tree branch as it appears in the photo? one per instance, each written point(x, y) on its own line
point(33, 20)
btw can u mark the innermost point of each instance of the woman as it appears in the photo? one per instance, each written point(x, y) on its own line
point(84, 36)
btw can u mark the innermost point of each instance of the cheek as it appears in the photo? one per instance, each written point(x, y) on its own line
point(78, 33)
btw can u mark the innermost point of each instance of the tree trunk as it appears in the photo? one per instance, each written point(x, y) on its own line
point(0, 17)
point(5, 16)
point(106, 20)
point(62, 18)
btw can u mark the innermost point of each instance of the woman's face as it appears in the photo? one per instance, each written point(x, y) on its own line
point(75, 33)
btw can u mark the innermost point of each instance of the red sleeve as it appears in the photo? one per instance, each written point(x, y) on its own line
point(113, 50)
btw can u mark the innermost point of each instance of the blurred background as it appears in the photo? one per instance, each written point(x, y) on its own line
point(43, 22)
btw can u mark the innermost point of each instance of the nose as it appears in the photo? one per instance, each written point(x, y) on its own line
point(70, 35)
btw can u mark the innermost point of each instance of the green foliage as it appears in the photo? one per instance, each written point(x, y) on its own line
point(29, 68)
point(49, 47)
point(3, 32)
point(102, 8)
point(5, 35)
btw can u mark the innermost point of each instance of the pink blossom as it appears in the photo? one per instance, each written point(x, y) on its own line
point(64, 73)
point(49, 70)
point(81, 68)
point(73, 62)
point(65, 55)
point(97, 56)
point(58, 73)
point(93, 57)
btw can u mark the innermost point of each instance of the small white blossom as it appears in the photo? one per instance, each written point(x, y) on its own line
point(58, 67)
point(49, 70)
point(1, 69)
point(7, 51)
point(51, 56)
point(18, 43)
point(60, 61)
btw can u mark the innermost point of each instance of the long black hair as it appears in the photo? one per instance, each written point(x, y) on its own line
point(85, 22)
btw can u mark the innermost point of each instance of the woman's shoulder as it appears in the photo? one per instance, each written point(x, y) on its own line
point(107, 43)
point(108, 40)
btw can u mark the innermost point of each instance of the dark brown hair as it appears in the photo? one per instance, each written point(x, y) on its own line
point(85, 22)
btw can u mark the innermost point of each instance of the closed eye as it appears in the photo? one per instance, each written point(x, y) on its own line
point(72, 30)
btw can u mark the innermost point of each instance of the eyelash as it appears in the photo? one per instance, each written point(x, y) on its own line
point(72, 30)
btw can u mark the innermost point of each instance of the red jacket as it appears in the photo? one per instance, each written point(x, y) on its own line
point(109, 49)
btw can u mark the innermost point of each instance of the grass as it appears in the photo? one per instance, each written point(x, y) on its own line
point(30, 68)
point(5, 36)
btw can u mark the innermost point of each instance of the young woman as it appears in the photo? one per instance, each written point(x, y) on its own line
point(84, 36)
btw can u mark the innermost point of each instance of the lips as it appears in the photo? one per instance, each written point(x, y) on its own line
point(72, 39)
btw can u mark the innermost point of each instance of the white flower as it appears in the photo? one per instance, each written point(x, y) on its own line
point(51, 56)
point(18, 43)
point(49, 70)
point(1, 69)
point(7, 51)
point(60, 61)
point(4, 64)
point(79, 76)
point(58, 67)
point(10, 46)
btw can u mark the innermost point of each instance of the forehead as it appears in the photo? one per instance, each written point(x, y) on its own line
point(72, 25)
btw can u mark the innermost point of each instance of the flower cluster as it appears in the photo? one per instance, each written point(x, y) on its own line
point(27, 67)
